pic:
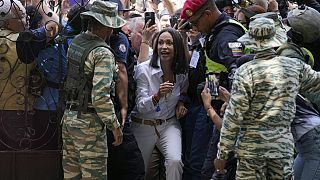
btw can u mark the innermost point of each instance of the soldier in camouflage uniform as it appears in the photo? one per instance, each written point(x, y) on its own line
point(90, 109)
point(256, 124)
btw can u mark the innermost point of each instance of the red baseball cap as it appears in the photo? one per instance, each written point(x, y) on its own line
point(190, 7)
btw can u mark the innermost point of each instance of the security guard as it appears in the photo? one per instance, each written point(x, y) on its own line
point(305, 31)
point(221, 50)
point(221, 46)
point(263, 103)
point(88, 86)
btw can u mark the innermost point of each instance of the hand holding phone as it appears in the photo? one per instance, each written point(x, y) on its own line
point(173, 21)
point(213, 85)
point(149, 16)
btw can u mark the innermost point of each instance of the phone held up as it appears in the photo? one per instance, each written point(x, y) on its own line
point(186, 26)
point(213, 85)
point(173, 21)
point(149, 16)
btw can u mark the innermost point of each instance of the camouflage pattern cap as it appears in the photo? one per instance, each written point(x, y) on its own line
point(106, 13)
point(275, 17)
point(263, 34)
point(307, 22)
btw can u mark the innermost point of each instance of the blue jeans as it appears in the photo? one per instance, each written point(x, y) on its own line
point(307, 163)
point(198, 131)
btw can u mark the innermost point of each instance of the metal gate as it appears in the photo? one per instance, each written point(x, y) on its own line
point(30, 137)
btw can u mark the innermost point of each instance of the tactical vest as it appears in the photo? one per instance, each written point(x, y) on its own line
point(211, 64)
point(78, 85)
point(13, 76)
point(304, 53)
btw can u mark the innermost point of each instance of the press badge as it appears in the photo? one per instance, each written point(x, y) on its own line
point(236, 48)
point(194, 59)
point(202, 41)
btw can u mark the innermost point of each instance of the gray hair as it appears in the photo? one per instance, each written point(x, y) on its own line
point(134, 22)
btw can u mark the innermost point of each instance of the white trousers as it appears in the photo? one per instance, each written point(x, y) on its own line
point(169, 144)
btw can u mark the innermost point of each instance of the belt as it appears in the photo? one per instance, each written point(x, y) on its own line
point(75, 107)
point(153, 123)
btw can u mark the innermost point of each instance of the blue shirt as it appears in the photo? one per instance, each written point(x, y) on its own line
point(28, 50)
point(49, 62)
point(120, 45)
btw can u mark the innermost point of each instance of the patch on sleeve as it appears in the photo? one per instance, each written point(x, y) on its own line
point(236, 48)
point(122, 48)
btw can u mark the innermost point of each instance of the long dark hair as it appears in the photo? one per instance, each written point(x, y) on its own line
point(180, 62)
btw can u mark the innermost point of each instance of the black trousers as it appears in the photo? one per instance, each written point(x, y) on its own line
point(208, 169)
point(125, 161)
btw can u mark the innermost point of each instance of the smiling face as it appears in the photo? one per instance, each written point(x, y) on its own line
point(165, 47)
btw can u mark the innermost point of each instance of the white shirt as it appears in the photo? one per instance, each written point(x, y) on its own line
point(148, 82)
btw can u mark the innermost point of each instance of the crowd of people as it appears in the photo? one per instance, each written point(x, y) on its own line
point(176, 90)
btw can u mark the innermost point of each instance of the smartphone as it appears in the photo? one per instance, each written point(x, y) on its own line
point(186, 26)
point(150, 16)
point(173, 20)
point(213, 85)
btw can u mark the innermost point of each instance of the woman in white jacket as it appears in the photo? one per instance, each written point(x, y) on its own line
point(161, 84)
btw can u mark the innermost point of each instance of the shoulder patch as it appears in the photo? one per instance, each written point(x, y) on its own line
point(189, 12)
point(234, 45)
point(122, 48)
point(236, 48)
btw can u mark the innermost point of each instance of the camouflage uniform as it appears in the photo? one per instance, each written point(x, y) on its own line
point(84, 136)
point(256, 124)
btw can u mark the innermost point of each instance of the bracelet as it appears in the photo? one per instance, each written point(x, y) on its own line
point(155, 99)
point(208, 108)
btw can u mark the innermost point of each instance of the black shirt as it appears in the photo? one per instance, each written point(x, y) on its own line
point(221, 43)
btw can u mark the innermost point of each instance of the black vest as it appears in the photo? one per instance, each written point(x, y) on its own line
point(78, 85)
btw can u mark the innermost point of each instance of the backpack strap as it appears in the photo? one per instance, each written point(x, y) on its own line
point(83, 96)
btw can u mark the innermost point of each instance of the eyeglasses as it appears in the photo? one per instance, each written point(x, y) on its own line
point(195, 22)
